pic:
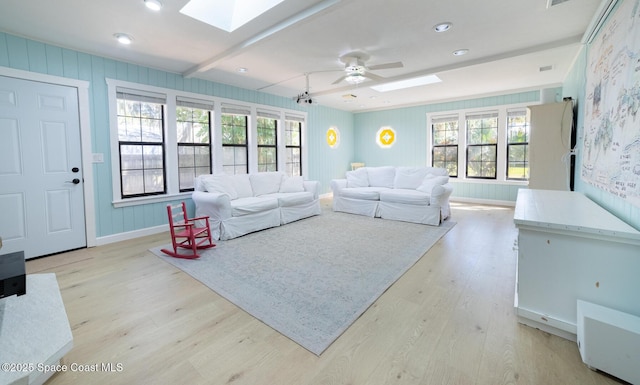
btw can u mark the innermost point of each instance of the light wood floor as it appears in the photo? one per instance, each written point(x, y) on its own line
point(448, 320)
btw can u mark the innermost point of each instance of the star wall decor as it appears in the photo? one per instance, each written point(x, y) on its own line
point(333, 137)
point(385, 137)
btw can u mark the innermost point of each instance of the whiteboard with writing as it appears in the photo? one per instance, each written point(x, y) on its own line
point(611, 153)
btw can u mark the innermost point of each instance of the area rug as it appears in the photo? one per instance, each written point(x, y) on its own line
point(311, 279)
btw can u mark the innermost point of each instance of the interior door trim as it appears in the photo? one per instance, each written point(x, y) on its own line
point(85, 138)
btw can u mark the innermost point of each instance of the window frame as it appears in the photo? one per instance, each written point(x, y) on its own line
point(525, 144)
point(172, 191)
point(445, 146)
point(182, 102)
point(289, 147)
point(235, 146)
point(128, 95)
point(462, 144)
point(262, 116)
point(482, 145)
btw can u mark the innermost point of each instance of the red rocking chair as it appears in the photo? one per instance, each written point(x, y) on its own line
point(185, 234)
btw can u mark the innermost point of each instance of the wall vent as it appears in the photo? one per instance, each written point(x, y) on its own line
point(553, 3)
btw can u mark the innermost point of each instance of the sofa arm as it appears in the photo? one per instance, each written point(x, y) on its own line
point(337, 185)
point(214, 205)
point(440, 195)
point(312, 186)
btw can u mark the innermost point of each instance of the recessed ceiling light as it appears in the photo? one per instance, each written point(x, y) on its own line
point(460, 52)
point(155, 5)
point(242, 70)
point(123, 38)
point(442, 27)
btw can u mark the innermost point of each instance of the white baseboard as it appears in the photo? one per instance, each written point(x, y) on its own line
point(131, 235)
point(547, 324)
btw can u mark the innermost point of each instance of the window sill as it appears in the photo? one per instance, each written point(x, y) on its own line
point(150, 199)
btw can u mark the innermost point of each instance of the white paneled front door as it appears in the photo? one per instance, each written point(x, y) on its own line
point(41, 194)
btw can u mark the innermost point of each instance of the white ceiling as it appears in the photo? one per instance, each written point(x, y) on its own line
point(508, 42)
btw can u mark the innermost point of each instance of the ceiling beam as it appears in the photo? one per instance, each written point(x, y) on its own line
point(238, 48)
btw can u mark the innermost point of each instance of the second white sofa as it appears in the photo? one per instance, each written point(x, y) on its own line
point(410, 194)
point(240, 204)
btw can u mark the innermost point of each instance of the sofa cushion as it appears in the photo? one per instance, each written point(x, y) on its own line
point(252, 205)
point(265, 182)
point(220, 184)
point(292, 199)
point(292, 184)
point(430, 181)
point(242, 185)
point(357, 178)
point(406, 196)
point(366, 193)
point(381, 176)
point(409, 177)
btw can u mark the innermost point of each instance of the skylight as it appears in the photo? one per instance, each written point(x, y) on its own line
point(227, 15)
point(407, 83)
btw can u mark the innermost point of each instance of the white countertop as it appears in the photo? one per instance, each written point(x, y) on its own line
point(569, 211)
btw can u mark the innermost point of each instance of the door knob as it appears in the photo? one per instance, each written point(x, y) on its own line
point(74, 181)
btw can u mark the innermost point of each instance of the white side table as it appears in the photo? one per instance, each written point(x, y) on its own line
point(34, 331)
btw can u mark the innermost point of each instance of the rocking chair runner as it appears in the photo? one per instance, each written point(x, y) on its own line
point(185, 234)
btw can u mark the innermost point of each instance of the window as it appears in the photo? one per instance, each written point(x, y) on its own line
point(518, 144)
point(235, 148)
point(193, 124)
point(482, 145)
point(293, 142)
point(140, 125)
point(267, 125)
point(445, 144)
point(162, 139)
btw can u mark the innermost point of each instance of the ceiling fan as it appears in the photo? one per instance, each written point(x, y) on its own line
point(356, 71)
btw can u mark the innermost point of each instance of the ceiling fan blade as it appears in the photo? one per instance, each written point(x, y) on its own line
point(385, 66)
point(371, 76)
point(339, 80)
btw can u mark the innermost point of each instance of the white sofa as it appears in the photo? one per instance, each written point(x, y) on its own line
point(410, 194)
point(241, 204)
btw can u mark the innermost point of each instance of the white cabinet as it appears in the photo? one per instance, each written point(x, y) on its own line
point(550, 145)
point(569, 248)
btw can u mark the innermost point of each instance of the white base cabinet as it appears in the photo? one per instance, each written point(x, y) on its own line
point(571, 249)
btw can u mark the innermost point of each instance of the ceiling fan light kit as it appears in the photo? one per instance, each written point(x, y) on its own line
point(355, 78)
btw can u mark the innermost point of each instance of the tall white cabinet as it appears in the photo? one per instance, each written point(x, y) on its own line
point(571, 249)
point(549, 145)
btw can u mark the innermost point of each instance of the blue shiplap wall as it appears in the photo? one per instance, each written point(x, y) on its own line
point(410, 148)
point(28, 55)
